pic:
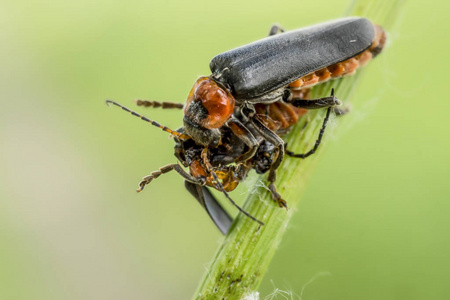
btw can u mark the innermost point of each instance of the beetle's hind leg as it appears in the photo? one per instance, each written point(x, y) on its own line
point(324, 102)
point(318, 141)
point(276, 28)
point(166, 169)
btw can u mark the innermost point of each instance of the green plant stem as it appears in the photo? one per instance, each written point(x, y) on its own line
point(242, 260)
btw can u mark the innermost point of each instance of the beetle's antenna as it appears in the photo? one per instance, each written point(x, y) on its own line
point(156, 104)
point(164, 128)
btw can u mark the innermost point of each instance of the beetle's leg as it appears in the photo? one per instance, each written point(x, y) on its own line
point(267, 111)
point(156, 104)
point(316, 103)
point(273, 190)
point(241, 171)
point(318, 141)
point(276, 28)
point(149, 178)
point(179, 153)
point(220, 187)
point(272, 138)
point(244, 135)
point(275, 140)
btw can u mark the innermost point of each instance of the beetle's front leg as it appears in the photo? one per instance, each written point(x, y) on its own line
point(149, 178)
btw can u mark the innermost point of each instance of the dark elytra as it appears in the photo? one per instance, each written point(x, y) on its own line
point(268, 64)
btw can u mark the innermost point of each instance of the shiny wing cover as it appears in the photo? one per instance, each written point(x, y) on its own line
point(218, 214)
point(273, 62)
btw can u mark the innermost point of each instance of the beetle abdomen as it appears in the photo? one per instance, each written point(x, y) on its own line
point(266, 65)
point(346, 67)
point(279, 116)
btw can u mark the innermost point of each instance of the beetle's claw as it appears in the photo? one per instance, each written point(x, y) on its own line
point(282, 203)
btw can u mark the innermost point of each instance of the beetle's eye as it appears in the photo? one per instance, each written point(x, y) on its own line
point(217, 102)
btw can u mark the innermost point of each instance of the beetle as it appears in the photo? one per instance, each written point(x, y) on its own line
point(214, 167)
point(201, 171)
point(276, 69)
point(271, 70)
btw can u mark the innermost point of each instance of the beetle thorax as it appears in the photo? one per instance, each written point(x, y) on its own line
point(208, 107)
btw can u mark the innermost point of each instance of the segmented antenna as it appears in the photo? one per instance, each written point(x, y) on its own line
point(156, 104)
point(164, 128)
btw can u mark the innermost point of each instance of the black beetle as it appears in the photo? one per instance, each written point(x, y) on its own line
point(221, 109)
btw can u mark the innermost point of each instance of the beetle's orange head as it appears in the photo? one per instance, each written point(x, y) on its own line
point(208, 107)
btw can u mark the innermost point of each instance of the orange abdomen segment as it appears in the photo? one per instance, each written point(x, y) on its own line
point(343, 68)
point(279, 116)
point(226, 176)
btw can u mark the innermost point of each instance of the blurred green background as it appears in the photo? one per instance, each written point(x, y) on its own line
point(373, 224)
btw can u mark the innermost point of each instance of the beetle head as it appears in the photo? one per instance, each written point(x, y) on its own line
point(208, 107)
